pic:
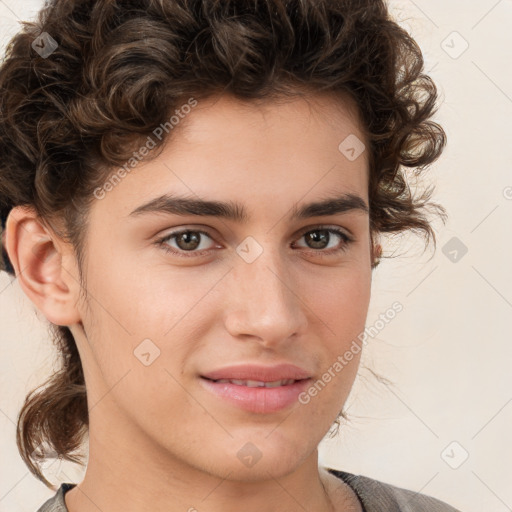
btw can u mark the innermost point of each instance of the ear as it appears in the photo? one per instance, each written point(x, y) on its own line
point(37, 255)
point(376, 253)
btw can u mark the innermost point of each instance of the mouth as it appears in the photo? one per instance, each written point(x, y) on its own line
point(256, 383)
point(256, 396)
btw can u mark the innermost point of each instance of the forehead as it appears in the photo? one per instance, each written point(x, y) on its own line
point(321, 120)
point(256, 152)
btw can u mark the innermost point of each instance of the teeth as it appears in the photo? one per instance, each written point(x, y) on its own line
point(257, 383)
point(249, 383)
point(275, 384)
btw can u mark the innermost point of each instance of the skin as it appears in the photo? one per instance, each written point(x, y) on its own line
point(156, 434)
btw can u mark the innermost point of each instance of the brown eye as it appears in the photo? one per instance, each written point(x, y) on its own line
point(188, 240)
point(319, 239)
point(185, 241)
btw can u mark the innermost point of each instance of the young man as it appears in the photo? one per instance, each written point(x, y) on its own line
point(194, 200)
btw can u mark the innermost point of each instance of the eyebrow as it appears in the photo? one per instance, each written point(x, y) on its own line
point(236, 212)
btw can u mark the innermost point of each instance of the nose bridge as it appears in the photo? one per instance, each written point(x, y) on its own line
point(264, 301)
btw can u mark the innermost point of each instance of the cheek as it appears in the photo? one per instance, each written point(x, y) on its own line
point(140, 325)
point(146, 302)
point(135, 371)
point(340, 299)
point(341, 306)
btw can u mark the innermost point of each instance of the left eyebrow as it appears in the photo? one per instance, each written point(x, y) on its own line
point(236, 212)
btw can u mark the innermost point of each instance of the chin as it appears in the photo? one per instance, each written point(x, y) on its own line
point(267, 468)
point(265, 454)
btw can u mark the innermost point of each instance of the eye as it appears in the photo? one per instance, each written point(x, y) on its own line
point(321, 237)
point(191, 241)
point(186, 241)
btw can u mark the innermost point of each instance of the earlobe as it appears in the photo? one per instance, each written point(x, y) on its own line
point(376, 255)
point(37, 256)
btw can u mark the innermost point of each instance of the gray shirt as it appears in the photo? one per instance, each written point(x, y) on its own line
point(375, 496)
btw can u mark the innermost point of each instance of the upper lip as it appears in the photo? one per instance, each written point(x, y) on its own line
point(259, 373)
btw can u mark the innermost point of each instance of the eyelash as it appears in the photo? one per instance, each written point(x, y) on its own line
point(346, 241)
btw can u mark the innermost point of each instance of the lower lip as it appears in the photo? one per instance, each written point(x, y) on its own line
point(258, 399)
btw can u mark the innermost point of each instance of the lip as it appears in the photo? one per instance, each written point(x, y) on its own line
point(259, 372)
point(258, 399)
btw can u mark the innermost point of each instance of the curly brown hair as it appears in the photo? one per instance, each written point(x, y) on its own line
point(120, 67)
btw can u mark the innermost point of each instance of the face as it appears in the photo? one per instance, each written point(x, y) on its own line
point(182, 301)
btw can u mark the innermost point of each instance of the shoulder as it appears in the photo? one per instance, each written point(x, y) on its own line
point(56, 503)
point(377, 496)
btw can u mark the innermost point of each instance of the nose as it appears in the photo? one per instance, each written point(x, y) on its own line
point(264, 301)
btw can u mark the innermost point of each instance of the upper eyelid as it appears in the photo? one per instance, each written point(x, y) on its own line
point(315, 227)
point(205, 230)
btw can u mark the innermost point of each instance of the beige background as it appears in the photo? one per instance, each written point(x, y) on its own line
point(448, 353)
